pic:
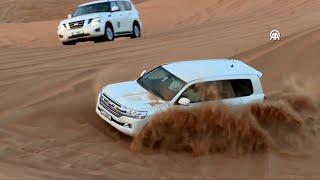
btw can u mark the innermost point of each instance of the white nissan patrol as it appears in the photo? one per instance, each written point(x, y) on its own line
point(100, 20)
point(128, 106)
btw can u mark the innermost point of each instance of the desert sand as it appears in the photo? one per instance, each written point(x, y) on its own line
point(48, 125)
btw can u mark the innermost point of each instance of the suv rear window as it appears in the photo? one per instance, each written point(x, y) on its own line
point(224, 89)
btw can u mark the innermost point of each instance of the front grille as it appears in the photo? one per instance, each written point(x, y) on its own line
point(78, 35)
point(76, 24)
point(110, 105)
point(119, 123)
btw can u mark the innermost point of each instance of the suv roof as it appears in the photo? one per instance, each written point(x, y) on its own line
point(193, 70)
point(100, 1)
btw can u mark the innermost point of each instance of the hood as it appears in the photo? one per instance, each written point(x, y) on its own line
point(83, 17)
point(133, 96)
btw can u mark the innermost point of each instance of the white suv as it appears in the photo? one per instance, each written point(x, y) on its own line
point(100, 20)
point(128, 106)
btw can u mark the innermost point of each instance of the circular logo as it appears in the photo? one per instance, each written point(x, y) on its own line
point(275, 35)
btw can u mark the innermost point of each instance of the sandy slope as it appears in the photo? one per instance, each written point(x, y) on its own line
point(37, 10)
point(48, 128)
point(221, 20)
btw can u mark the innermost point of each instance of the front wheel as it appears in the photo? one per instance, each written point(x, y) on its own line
point(109, 33)
point(136, 32)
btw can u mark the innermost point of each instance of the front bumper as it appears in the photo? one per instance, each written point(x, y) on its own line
point(89, 31)
point(126, 125)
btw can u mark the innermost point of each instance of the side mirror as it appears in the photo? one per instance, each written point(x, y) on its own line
point(69, 16)
point(143, 73)
point(115, 8)
point(184, 101)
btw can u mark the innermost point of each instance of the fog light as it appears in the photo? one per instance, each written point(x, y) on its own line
point(98, 30)
point(127, 125)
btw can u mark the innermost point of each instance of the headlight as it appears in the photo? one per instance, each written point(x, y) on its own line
point(100, 93)
point(62, 26)
point(133, 113)
point(95, 21)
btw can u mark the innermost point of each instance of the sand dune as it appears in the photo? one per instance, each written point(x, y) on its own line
point(295, 58)
point(48, 128)
point(37, 10)
point(217, 20)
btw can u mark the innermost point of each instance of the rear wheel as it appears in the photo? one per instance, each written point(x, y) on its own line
point(136, 32)
point(109, 33)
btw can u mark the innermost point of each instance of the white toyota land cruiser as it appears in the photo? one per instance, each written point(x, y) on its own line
point(100, 20)
point(128, 106)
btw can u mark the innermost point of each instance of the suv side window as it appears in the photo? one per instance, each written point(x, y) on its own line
point(128, 5)
point(112, 4)
point(122, 5)
point(104, 7)
point(214, 90)
point(242, 87)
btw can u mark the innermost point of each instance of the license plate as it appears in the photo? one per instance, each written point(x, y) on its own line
point(108, 116)
point(77, 32)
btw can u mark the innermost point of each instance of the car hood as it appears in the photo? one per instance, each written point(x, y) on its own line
point(83, 17)
point(133, 96)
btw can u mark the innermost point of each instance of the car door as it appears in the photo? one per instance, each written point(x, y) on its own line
point(117, 18)
point(235, 91)
point(212, 92)
point(125, 8)
point(200, 94)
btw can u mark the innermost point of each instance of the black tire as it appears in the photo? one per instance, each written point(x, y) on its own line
point(109, 32)
point(136, 31)
point(69, 43)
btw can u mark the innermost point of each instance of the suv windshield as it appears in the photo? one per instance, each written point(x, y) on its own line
point(92, 8)
point(161, 83)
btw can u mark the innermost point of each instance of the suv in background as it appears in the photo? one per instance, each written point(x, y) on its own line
point(100, 21)
point(128, 106)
